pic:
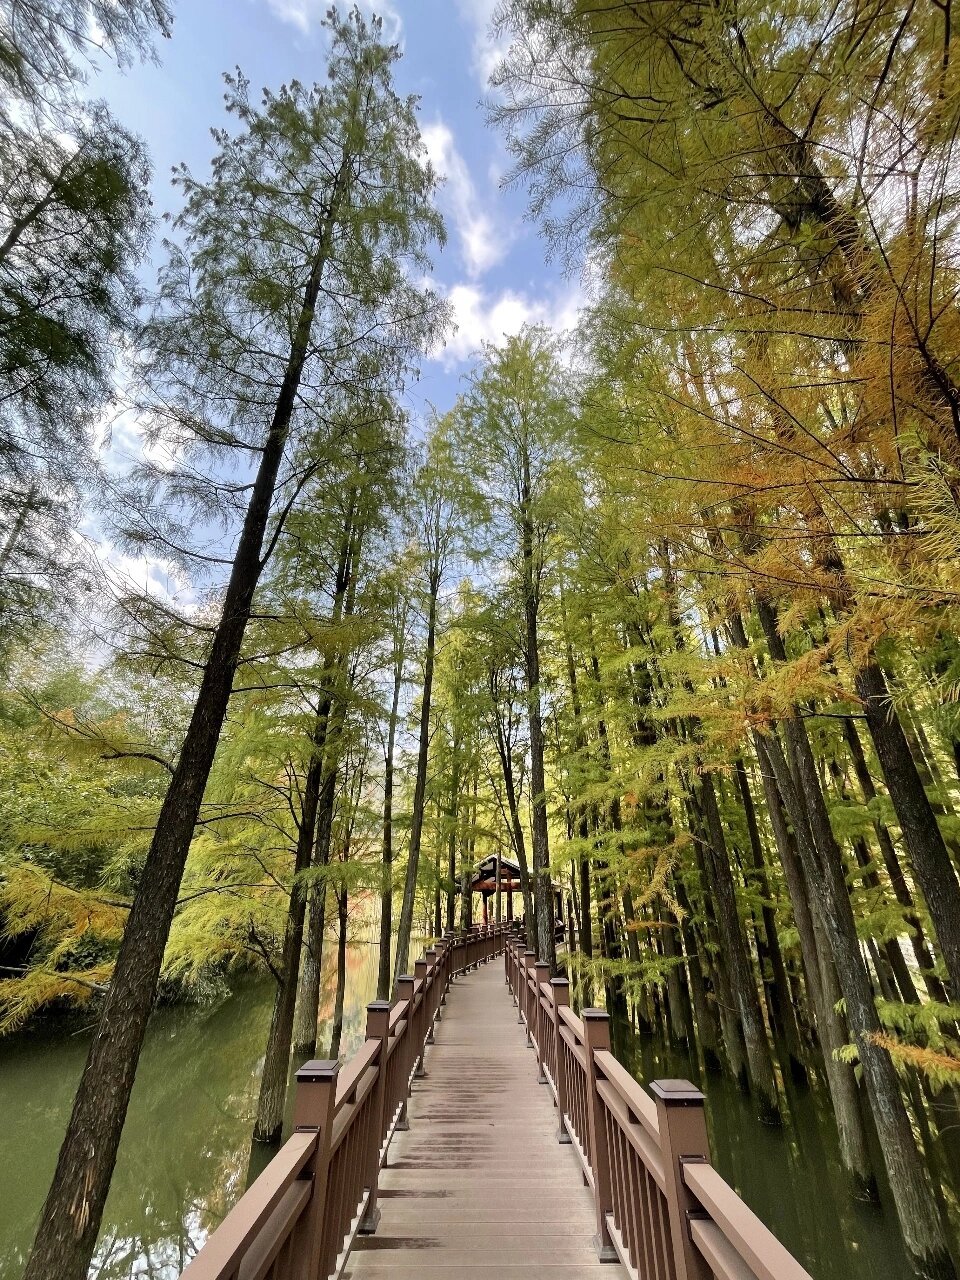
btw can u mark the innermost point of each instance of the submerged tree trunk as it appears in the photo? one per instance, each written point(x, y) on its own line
point(73, 1210)
point(822, 985)
point(823, 866)
point(784, 1014)
point(918, 824)
point(935, 988)
point(744, 988)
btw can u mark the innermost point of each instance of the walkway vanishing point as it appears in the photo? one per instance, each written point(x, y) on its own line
point(484, 1130)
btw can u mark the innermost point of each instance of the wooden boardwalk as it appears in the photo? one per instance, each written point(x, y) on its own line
point(479, 1185)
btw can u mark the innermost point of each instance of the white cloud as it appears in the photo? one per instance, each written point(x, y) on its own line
point(487, 51)
point(482, 242)
point(480, 317)
point(306, 15)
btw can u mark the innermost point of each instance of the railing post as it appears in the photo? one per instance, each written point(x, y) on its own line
point(378, 1028)
point(314, 1107)
point(596, 1038)
point(447, 966)
point(431, 954)
point(541, 973)
point(683, 1137)
point(529, 960)
point(403, 990)
point(561, 1000)
point(425, 1029)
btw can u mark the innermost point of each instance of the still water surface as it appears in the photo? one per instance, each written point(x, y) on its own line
point(791, 1177)
point(186, 1150)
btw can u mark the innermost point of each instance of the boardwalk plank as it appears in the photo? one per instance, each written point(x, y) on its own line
point(479, 1182)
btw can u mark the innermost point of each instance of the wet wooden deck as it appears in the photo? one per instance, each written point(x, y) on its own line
point(479, 1185)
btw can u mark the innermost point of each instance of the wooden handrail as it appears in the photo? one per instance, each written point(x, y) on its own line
point(632, 1092)
point(662, 1207)
point(299, 1218)
point(756, 1244)
point(222, 1253)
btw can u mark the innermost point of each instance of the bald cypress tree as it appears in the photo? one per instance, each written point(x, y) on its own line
point(295, 251)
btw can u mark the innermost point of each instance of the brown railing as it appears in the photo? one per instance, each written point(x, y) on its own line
point(662, 1208)
point(299, 1219)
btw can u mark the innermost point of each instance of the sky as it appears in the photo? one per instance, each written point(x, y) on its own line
point(493, 270)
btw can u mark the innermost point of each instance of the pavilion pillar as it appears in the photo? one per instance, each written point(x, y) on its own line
point(509, 902)
point(486, 913)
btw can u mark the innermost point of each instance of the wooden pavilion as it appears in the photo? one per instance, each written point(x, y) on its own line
point(499, 874)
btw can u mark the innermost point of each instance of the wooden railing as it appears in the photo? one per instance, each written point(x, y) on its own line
point(299, 1219)
point(661, 1207)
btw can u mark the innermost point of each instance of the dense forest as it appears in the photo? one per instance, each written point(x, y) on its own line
point(659, 608)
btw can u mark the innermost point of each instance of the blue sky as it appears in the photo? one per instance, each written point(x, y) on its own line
point(493, 269)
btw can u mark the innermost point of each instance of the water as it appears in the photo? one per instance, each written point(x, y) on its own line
point(791, 1177)
point(186, 1146)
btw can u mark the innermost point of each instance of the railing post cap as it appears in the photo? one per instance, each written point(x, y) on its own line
point(559, 982)
point(596, 1015)
point(379, 1006)
point(677, 1093)
point(542, 964)
point(317, 1070)
point(528, 952)
point(405, 977)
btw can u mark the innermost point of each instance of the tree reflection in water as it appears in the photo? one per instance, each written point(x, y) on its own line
point(186, 1147)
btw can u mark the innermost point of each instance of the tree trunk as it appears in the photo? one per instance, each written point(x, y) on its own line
point(706, 1023)
point(330, 723)
point(273, 1082)
point(336, 1032)
point(405, 924)
point(823, 867)
point(542, 885)
point(386, 893)
point(720, 880)
point(822, 985)
point(73, 1210)
point(309, 998)
point(918, 824)
point(935, 988)
point(452, 841)
point(784, 1015)
point(516, 833)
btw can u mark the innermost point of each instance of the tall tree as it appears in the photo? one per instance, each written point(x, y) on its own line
point(434, 521)
point(298, 243)
point(516, 421)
